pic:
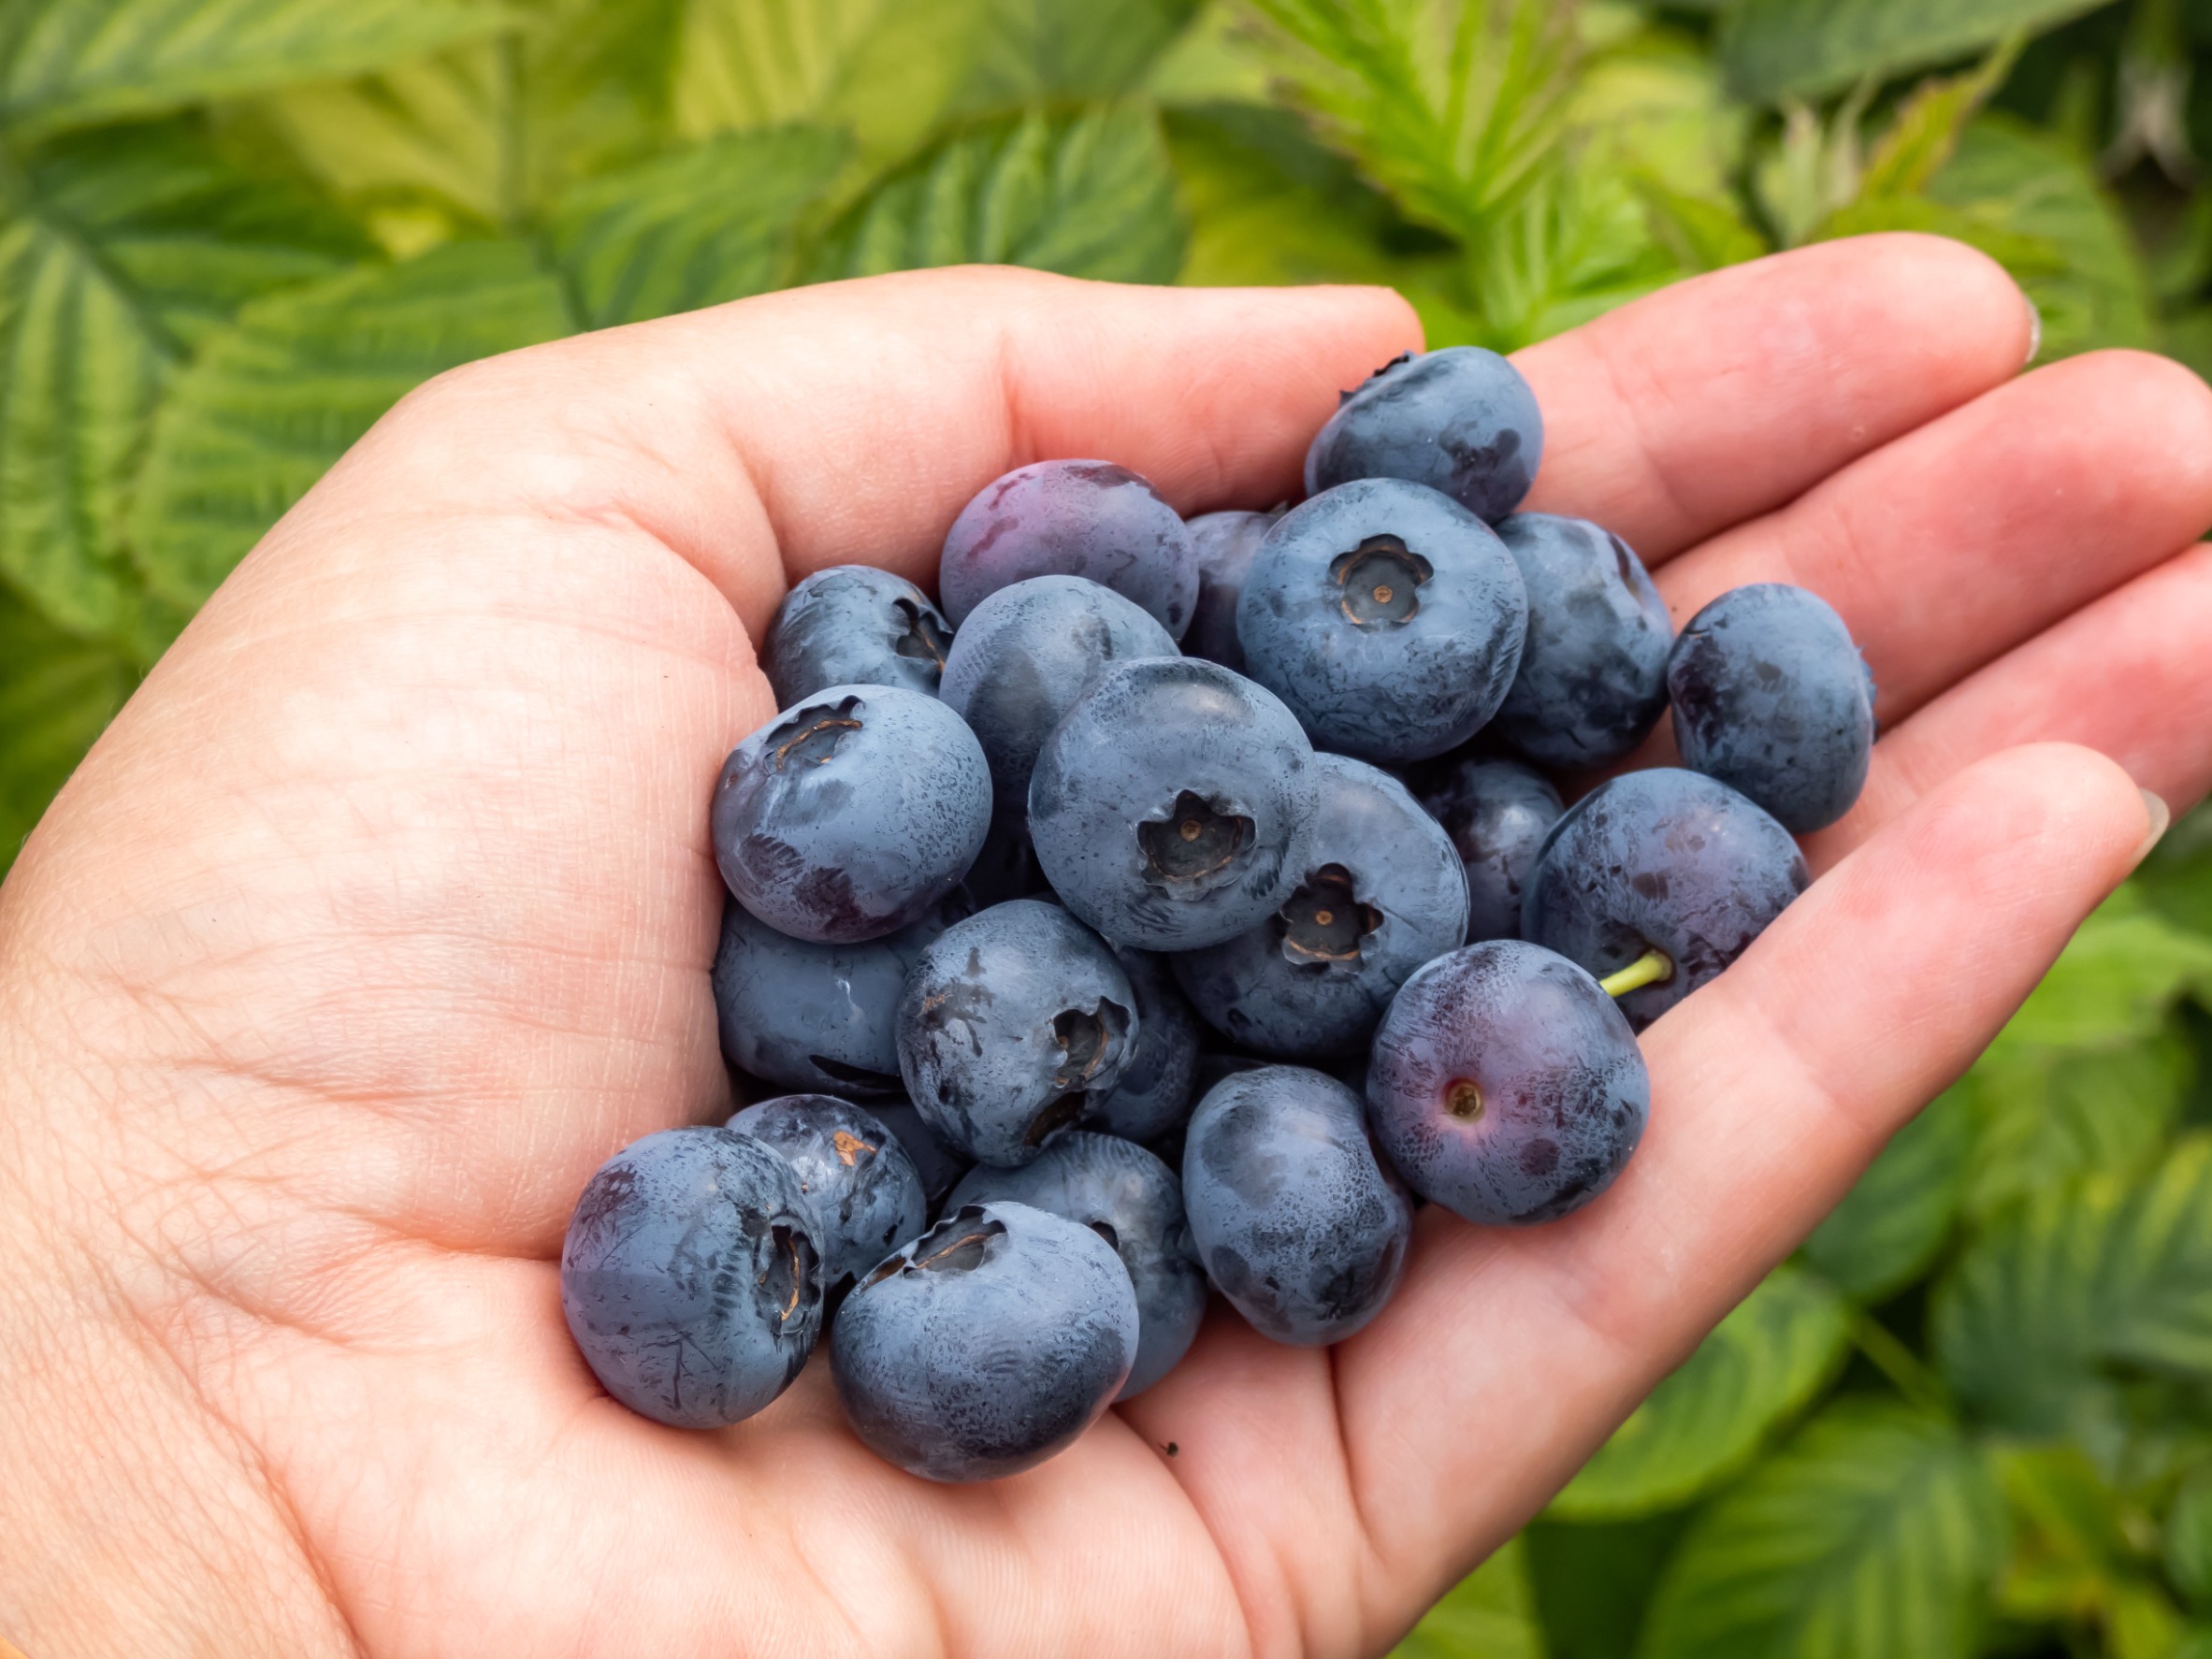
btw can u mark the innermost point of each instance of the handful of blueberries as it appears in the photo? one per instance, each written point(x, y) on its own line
point(1006, 901)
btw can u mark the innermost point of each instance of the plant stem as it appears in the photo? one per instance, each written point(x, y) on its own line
point(1901, 1364)
point(1652, 968)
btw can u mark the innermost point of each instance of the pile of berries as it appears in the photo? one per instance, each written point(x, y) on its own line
point(1146, 968)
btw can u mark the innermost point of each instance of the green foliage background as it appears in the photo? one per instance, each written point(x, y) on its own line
point(1976, 1414)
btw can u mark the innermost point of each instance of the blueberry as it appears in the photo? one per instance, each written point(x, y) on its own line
point(865, 1191)
point(1224, 543)
point(853, 624)
point(1071, 518)
point(1461, 420)
point(1023, 656)
point(1387, 616)
point(1015, 1023)
point(691, 1277)
point(1296, 1221)
point(1497, 814)
point(1132, 1201)
point(939, 1165)
point(1772, 697)
point(821, 1018)
point(987, 1345)
point(1593, 677)
point(1154, 1094)
point(846, 818)
point(1383, 893)
point(1505, 1086)
point(1169, 809)
point(1662, 859)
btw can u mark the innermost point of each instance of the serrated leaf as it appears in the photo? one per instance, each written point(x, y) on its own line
point(1452, 107)
point(118, 250)
point(1267, 204)
point(715, 220)
point(2033, 185)
point(1924, 133)
point(57, 694)
point(272, 400)
point(1874, 1533)
point(1777, 49)
point(66, 62)
point(1088, 195)
point(487, 133)
point(1028, 50)
point(1490, 1614)
point(1893, 1221)
point(1708, 1419)
point(887, 69)
point(2070, 1311)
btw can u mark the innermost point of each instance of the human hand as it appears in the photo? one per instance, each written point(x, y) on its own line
point(382, 914)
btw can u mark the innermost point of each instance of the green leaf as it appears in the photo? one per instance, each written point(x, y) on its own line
point(709, 223)
point(1454, 107)
point(1925, 133)
point(1267, 204)
point(1594, 1580)
point(1491, 1614)
point(1877, 1532)
point(1891, 1224)
point(487, 133)
point(72, 62)
point(887, 69)
point(1708, 1419)
point(119, 249)
point(1027, 49)
point(1088, 195)
point(2030, 184)
point(271, 401)
point(1777, 49)
point(2189, 1539)
point(57, 693)
point(2070, 1312)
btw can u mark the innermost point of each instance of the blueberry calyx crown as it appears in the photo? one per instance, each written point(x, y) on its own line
point(956, 1244)
point(922, 640)
point(1324, 920)
point(1195, 841)
point(1379, 581)
point(811, 735)
point(796, 1252)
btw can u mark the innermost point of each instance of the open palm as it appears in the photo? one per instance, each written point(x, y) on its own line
point(383, 914)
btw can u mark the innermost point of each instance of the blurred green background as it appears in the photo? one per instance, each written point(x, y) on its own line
point(1976, 1414)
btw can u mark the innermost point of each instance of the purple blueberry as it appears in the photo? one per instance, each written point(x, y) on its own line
point(987, 1345)
point(1224, 543)
point(1132, 1201)
point(847, 816)
point(692, 1276)
point(1071, 518)
point(1383, 891)
point(1023, 656)
point(1295, 1219)
point(1014, 1024)
point(819, 1017)
point(1169, 809)
point(1497, 814)
point(1461, 420)
point(1772, 697)
point(1155, 1093)
point(1593, 678)
point(1388, 616)
point(1667, 861)
point(1505, 1085)
point(854, 625)
point(865, 1191)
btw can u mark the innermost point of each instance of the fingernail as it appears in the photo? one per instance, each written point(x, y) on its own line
point(2034, 331)
point(2159, 815)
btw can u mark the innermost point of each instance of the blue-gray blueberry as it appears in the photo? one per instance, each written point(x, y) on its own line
point(865, 1191)
point(1461, 420)
point(854, 625)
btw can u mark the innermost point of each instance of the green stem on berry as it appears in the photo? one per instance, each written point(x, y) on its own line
point(1652, 968)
